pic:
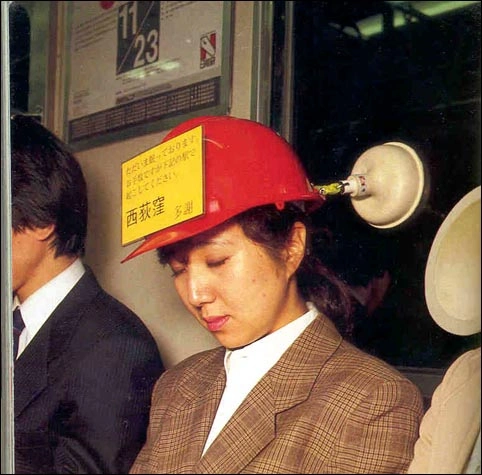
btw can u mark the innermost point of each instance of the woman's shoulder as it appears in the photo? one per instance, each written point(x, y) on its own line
point(373, 384)
point(340, 361)
point(369, 370)
point(201, 358)
point(195, 366)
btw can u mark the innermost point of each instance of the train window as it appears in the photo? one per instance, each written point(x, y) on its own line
point(29, 24)
point(364, 74)
point(19, 25)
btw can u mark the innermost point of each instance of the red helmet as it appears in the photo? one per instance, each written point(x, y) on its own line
point(246, 164)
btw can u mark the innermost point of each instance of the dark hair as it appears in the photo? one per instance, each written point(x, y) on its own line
point(271, 228)
point(48, 186)
point(355, 250)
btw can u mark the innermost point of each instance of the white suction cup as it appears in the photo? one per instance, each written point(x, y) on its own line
point(386, 184)
point(452, 274)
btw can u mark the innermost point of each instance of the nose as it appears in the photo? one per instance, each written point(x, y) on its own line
point(199, 289)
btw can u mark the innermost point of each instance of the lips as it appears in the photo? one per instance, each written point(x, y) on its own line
point(215, 323)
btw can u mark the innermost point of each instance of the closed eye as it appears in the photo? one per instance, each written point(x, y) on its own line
point(217, 263)
point(176, 272)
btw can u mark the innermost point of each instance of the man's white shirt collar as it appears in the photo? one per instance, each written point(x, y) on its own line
point(37, 308)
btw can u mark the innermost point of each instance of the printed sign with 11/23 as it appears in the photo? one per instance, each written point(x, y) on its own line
point(138, 31)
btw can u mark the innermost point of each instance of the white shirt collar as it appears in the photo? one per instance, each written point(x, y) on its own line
point(267, 350)
point(39, 306)
point(246, 366)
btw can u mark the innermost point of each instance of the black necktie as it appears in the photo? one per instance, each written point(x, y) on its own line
point(18, 326)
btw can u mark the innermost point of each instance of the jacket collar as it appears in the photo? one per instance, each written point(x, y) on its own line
point(40, 362)
point(277, 391)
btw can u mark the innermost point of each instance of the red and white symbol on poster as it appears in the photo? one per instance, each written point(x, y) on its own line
point(207, 49)
point(106, 5)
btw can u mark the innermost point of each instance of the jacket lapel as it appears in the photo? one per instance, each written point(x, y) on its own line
point(31, 373)
point(199, 396)
point(40, 362)
point(235, 446)
point(253, 425)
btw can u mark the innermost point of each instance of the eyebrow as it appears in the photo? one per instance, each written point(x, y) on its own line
point(206, 241)
point(213, 241)
point(181, 254)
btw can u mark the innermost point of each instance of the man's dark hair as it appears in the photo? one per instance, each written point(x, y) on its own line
point(48, 186)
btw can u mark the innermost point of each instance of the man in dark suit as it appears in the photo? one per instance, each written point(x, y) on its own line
point(85, 364)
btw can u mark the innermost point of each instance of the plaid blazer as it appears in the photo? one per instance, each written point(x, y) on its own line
point(324, 407)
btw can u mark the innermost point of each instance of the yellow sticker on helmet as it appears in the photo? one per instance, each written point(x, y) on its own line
point(163, 186)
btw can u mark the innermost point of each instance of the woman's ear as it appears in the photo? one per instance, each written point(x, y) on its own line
point(296, 247)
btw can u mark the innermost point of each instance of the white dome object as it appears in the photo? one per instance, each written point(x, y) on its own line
point(386, 184)
point(452, 274)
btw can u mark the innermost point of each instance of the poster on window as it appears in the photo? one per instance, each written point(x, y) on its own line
point(140, 66)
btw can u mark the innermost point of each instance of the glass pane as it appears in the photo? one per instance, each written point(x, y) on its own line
point(374, 72)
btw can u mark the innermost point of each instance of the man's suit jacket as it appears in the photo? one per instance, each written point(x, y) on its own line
point(450, 427)
point(324, 407)
point(82, 386)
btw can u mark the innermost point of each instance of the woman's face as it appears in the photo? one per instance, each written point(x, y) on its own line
point(235, 289)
